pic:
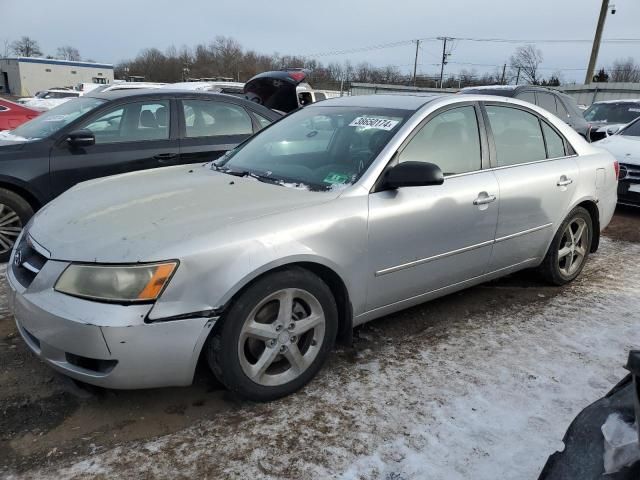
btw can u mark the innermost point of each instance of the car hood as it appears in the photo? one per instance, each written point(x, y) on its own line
point(8, 139)
point(142, 215)
point(625, 148)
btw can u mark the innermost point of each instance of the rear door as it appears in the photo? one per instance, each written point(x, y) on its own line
point(209, 128)
point(536, 173)
point(130, 136)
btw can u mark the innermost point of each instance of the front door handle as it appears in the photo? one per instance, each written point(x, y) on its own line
point(165, 157)
point(564, 181)
point(484, 199)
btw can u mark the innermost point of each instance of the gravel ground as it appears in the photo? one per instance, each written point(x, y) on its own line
point(480, 384)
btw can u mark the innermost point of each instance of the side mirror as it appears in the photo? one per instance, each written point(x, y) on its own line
point(413, 174)
point(81, 138)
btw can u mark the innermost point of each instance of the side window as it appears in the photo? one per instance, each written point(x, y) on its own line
point(562, 111)
point(516, 134)
point(320, 96)
point(132, 122)
point(547, 101)
point(206, 118)
point(527, 97)
point(450, 140)
point(261, 120)
point(555, 145)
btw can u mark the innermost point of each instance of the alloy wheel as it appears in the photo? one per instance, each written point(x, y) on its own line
point(10, 228)
point(573, 246)
point(281, 337)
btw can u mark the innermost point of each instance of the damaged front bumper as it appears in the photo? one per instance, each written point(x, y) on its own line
point(103, 344)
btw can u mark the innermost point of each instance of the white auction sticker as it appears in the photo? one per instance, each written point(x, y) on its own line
point(374, 122)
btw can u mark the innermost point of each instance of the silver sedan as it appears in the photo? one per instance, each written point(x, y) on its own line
point(342, 212)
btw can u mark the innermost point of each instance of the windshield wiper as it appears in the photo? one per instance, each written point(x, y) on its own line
point(247, 173)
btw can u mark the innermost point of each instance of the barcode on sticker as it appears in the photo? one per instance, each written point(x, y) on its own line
point(374, 122)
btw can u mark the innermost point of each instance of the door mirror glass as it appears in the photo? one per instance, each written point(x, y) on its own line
point(613, 130)
point(81, 138)
point(413, 174)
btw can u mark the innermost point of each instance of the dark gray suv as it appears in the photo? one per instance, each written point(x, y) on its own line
point(560, 104)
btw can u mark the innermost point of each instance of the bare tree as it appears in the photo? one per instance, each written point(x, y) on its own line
point(26, 47)
point(527, 59)
point(625, 71)
point(68, 52)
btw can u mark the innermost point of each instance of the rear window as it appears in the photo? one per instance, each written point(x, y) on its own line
point(2, 109)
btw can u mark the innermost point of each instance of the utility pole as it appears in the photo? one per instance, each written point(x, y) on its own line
point(518, 76)
point(444, 56)
point(504, 71)
point(415, 63)
point(596, 41)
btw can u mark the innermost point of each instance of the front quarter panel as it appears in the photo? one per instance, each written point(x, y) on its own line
point(213, 269)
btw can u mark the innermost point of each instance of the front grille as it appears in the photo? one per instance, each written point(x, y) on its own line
point(27, 261)
point(630, 173)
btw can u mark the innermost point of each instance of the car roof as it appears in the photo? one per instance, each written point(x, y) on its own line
point(403, 102)
point(155, 92)
point(620, 100)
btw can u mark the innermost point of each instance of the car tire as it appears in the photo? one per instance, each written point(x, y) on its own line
point(569, 249)
point(275, 336)
point(15, 212)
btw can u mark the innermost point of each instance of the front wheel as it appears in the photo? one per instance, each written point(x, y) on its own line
point(275, 336)
point(569, 249)
point(15, 212)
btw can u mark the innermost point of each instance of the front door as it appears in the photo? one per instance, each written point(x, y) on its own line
point(537, 178)
point(210, 128)
point(130, 136)
point(423, 239)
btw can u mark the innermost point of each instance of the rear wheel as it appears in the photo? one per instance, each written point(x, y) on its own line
point(569, 249)
point(15, 212)
point(275, 336)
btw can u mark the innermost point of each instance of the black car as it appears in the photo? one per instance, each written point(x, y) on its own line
point(110, 133)
point(560, 104)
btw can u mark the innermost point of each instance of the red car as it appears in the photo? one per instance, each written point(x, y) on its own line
point(12, 114)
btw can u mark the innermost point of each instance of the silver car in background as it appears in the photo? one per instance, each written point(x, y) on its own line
point(340, 213)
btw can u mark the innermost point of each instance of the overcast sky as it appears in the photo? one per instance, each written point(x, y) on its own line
point(117, 29)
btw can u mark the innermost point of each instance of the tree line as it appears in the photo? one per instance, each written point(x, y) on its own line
point(225, 57)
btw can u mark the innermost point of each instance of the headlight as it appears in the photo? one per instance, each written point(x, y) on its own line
point(125, 283)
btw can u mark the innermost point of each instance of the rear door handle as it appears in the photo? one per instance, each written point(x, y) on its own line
point(165, 157)
point(564, 181)
point(484, 199)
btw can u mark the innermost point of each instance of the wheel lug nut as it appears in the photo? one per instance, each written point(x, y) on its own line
point(283, 348)
point(272, 343)
point(292, 326)
point(293, 339)
point(278, 327)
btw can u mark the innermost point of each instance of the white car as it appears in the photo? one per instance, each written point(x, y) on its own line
point(625, 146)
point(48, 99)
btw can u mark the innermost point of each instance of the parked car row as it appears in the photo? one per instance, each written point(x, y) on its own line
point(263, 257)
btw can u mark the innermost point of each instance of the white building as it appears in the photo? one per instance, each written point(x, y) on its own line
point(24, 76)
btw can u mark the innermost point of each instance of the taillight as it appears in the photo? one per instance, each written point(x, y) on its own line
point(616, 168)
point(297, 76)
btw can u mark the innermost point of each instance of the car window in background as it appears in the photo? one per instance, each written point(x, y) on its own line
point(562, 111)
point(320, 96)
point(517, 136)
point(555, 144)
point(612, 112)
point(450, 140)
point(53, 120)
point(632, 130)
point(132, 122)
point(261, 120)
point(547, 101)
point(206, 118)
point(2, 108)
point(527, 97)
point(318, 148)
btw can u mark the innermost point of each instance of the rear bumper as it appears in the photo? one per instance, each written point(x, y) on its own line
point(626, 197)
point(103, 344)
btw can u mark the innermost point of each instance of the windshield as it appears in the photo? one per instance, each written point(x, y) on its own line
point(632, 130)
point(612, 112)
point(53, 120)
point(318, 148)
